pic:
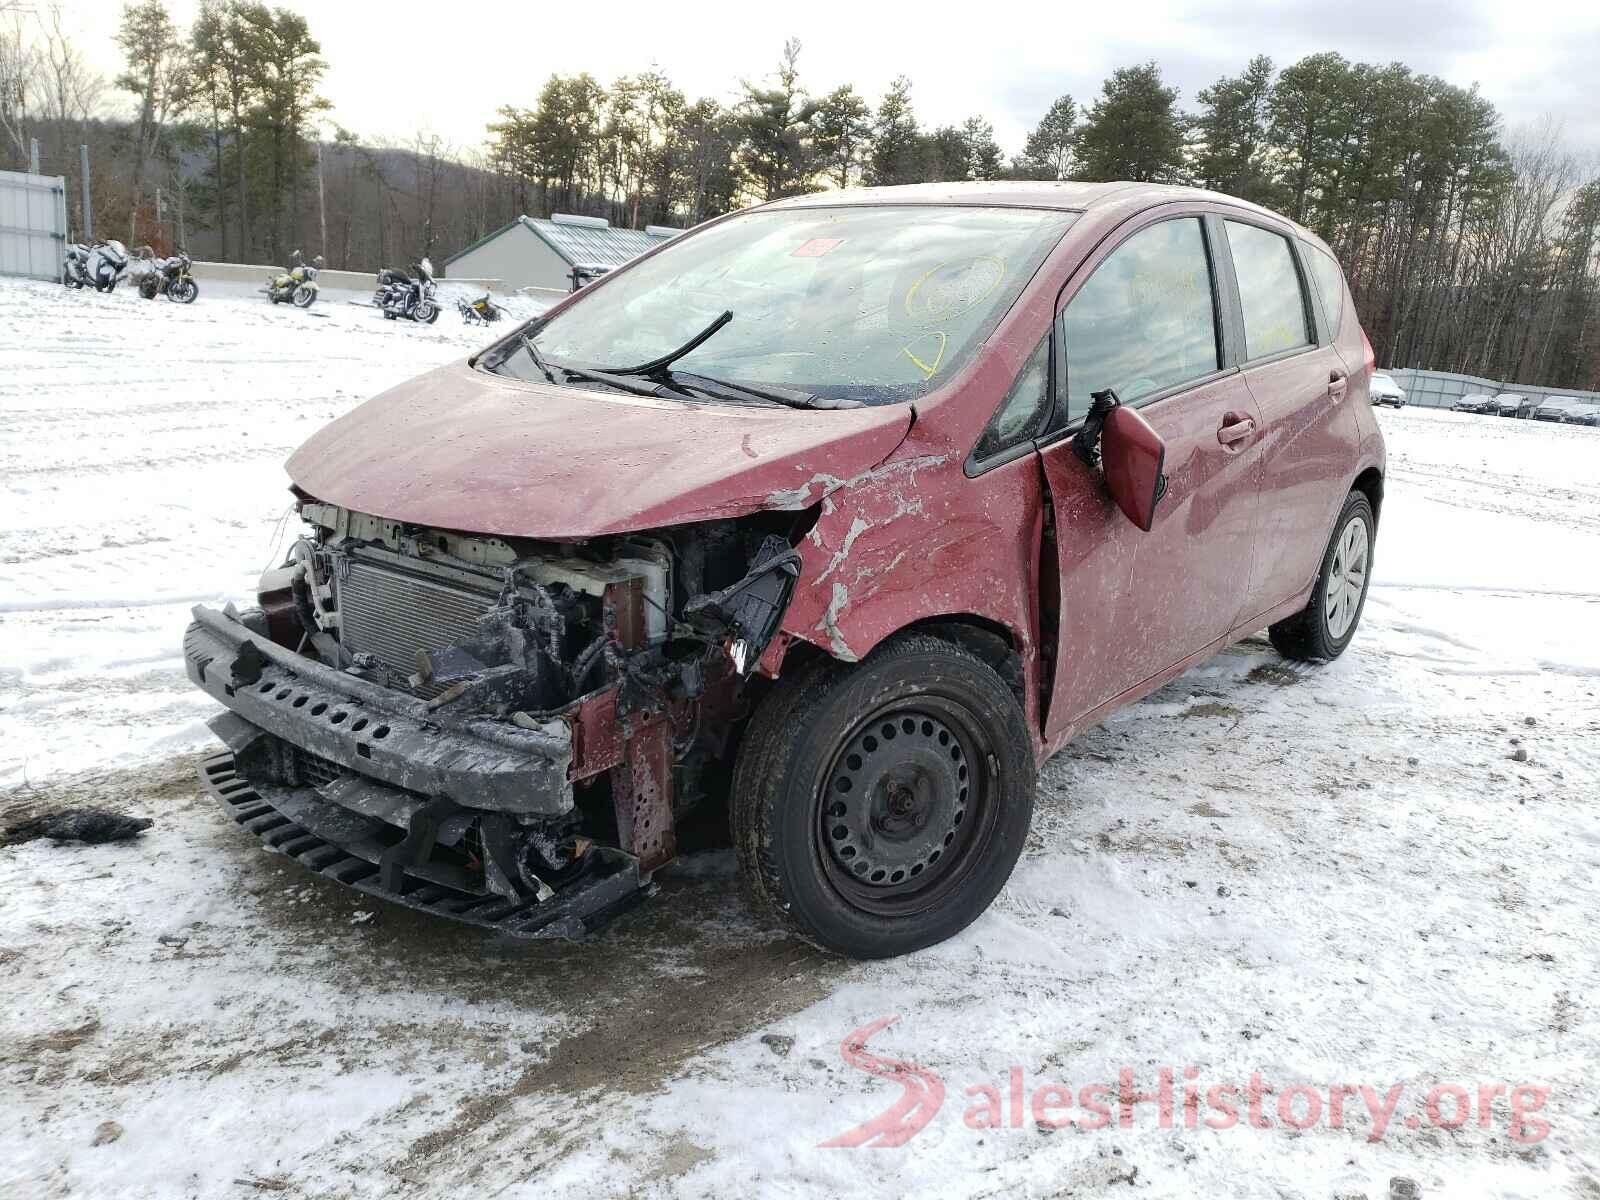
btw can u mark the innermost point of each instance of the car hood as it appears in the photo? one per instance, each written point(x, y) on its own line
point(462, 449)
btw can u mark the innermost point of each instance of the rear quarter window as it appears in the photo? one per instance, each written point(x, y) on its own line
point(1328, 279)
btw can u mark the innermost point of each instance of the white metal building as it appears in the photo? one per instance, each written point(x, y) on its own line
point(539, 253)
point(33, 225)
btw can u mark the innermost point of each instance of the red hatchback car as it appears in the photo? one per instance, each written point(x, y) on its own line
point(847, 511)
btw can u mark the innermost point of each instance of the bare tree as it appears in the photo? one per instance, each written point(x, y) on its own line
point(19, 71)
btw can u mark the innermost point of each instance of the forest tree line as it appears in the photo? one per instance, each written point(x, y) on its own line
point(1467, 249)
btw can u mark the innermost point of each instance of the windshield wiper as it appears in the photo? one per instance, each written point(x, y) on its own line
point(788, 397)
point(538, 359)
point(663, 381)
point(624, 383)
point(657, 365)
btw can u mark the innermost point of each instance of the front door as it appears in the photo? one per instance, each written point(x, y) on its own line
point(1131, 604)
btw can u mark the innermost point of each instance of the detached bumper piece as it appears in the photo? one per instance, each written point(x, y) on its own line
point(351, 849)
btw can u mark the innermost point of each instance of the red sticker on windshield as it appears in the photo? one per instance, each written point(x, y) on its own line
point(816, 247)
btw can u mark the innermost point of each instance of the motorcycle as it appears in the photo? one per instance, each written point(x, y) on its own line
point(297, 285)
point(401, 296)
point(483, 311)
point(99, 265)
point(170, 277)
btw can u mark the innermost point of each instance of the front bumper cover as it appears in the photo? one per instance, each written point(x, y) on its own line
point(386, 735)
point(393, 780)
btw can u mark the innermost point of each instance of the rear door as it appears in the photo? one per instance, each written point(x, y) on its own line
point(1149, 321)
point(1300, 384)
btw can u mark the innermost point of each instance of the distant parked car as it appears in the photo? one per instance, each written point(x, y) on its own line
point(1511, 404)
point(1477, 402)
point(1589, 414)
point(1384, 390)
point(1563, 409)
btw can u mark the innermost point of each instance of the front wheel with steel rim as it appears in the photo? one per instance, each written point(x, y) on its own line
point(1328, 622)
point(880, 808)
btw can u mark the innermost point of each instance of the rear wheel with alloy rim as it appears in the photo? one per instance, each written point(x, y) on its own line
point(880, 808)
point(1328, 622)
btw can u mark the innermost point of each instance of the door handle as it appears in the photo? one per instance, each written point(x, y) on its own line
point(1236, 427)
point(1338, 384)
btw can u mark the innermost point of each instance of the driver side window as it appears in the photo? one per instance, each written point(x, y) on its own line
point(1146, 319)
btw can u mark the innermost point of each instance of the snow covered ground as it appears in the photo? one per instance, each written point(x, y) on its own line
point(1313, 877)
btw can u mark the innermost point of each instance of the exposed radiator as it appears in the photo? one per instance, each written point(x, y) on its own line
point(392, 614)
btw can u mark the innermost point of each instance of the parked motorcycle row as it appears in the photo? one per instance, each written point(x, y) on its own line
point(102, 265)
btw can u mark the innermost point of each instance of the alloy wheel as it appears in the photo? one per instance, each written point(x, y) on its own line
point(1347, 578)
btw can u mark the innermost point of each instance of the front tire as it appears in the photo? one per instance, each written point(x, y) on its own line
point(184, 292)
point(1326, 625)
point(427, 312)
point(880, 808)
point(304, 296)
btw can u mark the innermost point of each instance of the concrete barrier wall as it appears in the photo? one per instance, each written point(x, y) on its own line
point(1441, 389)
point(349, 281)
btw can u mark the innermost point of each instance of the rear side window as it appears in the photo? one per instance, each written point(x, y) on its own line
point(1329, 282)
point(1269, 291)
point(1146, 319)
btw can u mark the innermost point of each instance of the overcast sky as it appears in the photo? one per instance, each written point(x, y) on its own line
point(400, 66)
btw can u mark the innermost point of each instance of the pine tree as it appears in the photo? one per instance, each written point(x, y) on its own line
point(776, 126)
point(1230, 133)
point(1048, 152)
point(1134, 130)
point(983, 152)
point(897, 153)
point(842, 130)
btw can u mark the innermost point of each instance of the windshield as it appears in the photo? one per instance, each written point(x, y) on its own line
point(876, 305)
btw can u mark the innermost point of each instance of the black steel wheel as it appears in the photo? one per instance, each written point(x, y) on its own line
point(890, 835)
point(880, 808)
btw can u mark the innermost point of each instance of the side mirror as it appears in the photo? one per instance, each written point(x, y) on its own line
point(1132, 455)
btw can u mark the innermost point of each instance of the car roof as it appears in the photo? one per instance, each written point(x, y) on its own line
point(1067, 195)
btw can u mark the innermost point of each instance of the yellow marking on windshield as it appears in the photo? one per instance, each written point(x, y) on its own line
point(928, 371)
point(962, 284)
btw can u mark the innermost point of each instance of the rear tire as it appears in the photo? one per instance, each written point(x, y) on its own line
point(880, 808)
point(1328, 622)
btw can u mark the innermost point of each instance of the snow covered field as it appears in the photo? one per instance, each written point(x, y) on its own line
point(1323, 876)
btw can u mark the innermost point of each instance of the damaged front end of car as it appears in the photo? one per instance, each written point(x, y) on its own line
point(504, 731)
